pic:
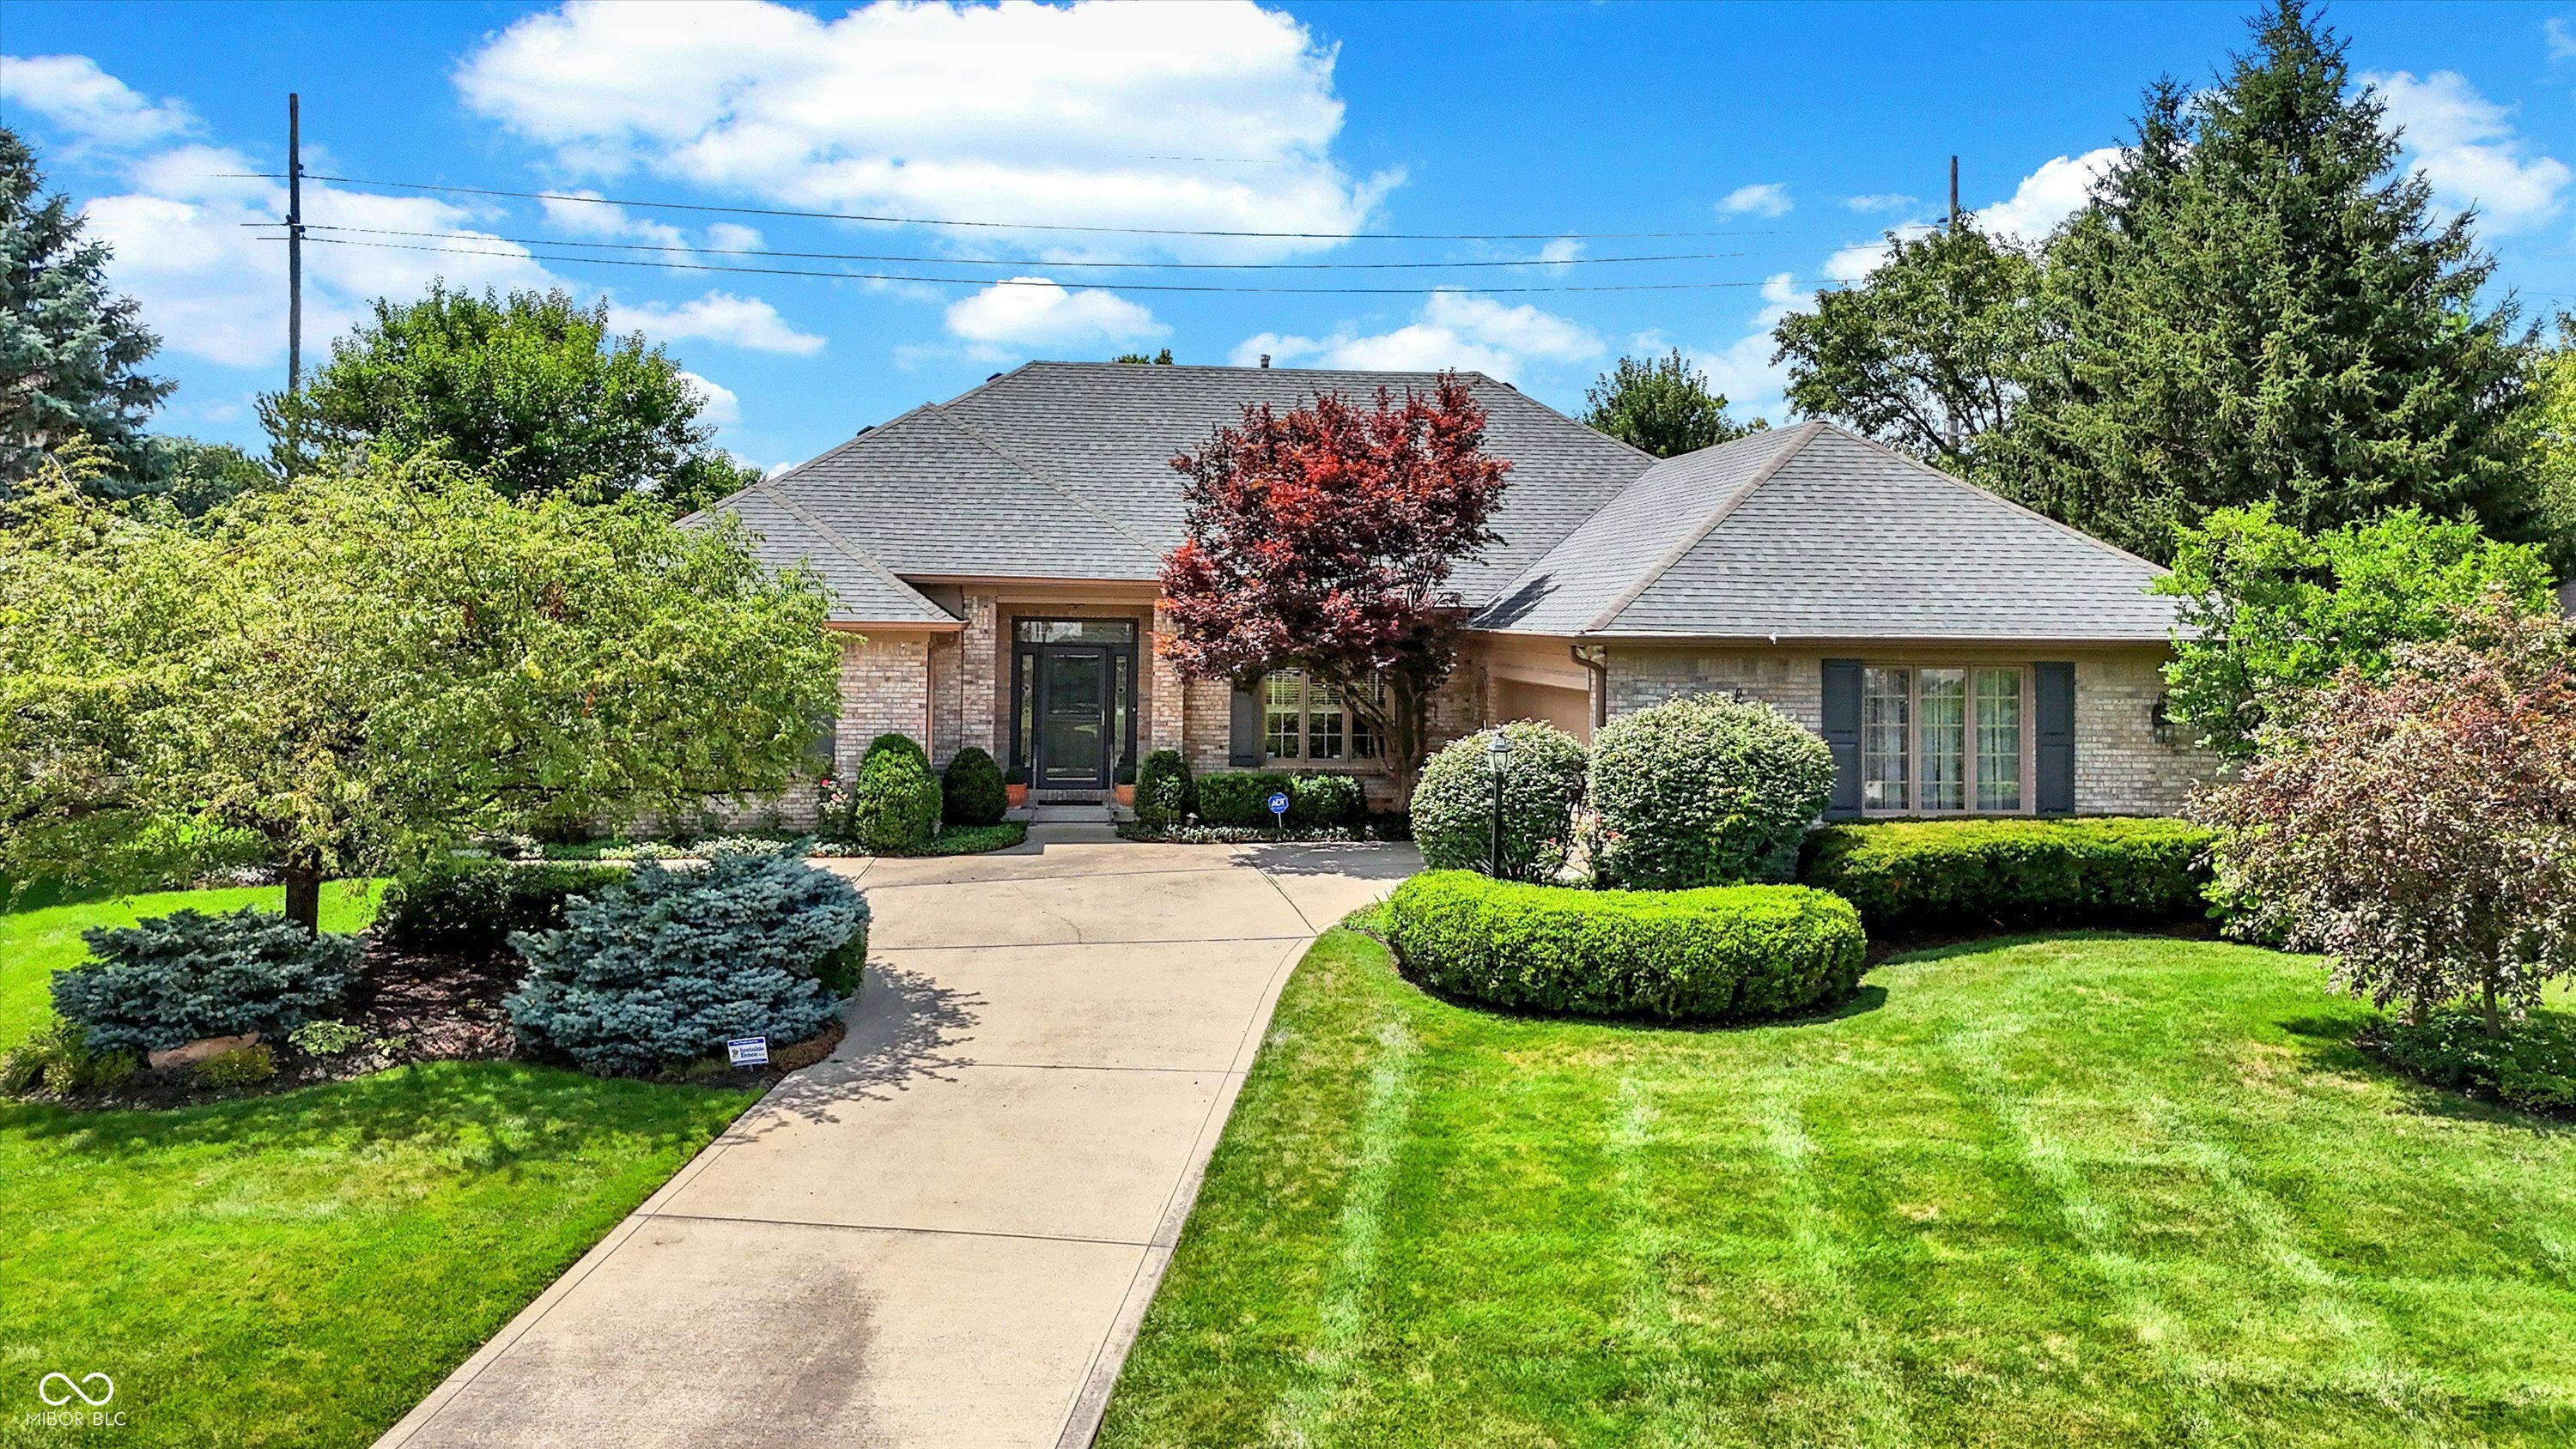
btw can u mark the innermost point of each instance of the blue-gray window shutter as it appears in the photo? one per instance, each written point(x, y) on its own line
point(2056, 737)
point(1244, 727)
point(1842, 736)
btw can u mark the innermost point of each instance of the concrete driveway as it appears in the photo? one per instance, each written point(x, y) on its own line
point(948, 1233)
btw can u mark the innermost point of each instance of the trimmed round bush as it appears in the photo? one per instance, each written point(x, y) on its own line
point(670, 965)
point(1718, 953)
point(1706, 790)
point(185, 976)
point(1453, 807)
point(971, 791)
point(1165, 793)
point(470, 907)
point(1984, 875)
point(895, 803)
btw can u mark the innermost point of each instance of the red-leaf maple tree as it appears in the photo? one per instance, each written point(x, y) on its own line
point(1323, 538)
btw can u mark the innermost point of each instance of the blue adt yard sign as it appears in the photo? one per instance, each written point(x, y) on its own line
point(1278, 803)
point(748, 1051)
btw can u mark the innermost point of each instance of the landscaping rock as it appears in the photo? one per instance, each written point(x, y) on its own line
point(173, 1058)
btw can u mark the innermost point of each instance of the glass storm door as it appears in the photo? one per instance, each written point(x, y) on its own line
point(1073, 719)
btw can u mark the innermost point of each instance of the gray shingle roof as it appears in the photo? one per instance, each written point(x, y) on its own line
point(1813, 532)
point(1062, 470)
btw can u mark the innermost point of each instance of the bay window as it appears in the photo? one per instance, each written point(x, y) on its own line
point(1943, 739)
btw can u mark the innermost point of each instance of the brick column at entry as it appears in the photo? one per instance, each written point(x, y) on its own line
point(1166, 696)
point(980, 648)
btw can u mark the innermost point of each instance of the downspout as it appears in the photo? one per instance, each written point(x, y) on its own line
point(1597, 663)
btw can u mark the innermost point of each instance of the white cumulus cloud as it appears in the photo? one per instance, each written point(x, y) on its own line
point(717, 403)
point(2465, 146)
point(1455, 330)
point(1879, 201)
point(1212, 117)
point(87, 104)
point(1037, 312)
point(2048, 195)
point(746, 322)
point(1769, 198)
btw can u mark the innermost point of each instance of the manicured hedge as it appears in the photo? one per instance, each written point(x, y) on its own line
point(1720, 952)
point(1241, 798)
point(1978, 875)
point(470, 907)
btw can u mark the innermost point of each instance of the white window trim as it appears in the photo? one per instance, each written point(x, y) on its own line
point(1913, 809)
point(1305, 726)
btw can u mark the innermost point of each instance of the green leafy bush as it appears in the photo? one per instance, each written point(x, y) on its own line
point(1911, 876)
point(1453, 807)
point(58, 1059)
point(1241, 798)
point(896, 802)
point(325, 1038)
point(2532, 1065)
point(1165, 793)
point(971, 791)
point(241, 1067)
point(670, 965)
point(1705, 790)
point(175, 979)
point(465, 907)
point(1698, 955)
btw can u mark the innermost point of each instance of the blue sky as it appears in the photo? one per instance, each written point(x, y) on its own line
point(1767, 141)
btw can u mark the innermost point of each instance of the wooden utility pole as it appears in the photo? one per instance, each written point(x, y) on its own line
point(1954, 193)
point(294, 248)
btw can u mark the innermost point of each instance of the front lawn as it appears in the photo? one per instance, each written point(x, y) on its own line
point(2066, 1190)
point(299, 1268)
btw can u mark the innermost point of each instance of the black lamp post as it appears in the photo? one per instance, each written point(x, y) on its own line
point(1498, 753)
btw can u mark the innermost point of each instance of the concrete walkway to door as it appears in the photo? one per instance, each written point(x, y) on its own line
point(947, 1233)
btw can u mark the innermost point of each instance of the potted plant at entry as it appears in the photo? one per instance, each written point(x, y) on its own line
point(1123, 784)
point(1015, 785)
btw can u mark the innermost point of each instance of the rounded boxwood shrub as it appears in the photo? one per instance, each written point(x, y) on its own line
point(467, 907)
point(895, 802)
point(670, 965)
point(1721, 952)
point(185, 976)
point(971, 791)
point(1165, 793)
point(1240, 797)
point(1453, 807)
point(1318, 800)
point(1706, 790)
point(1979, 875)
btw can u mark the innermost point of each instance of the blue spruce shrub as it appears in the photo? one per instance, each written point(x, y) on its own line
point(177, 978)
point(672, 964)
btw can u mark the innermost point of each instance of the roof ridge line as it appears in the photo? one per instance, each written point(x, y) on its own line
point(1707, 526)
point(1958, 482)
point(848, 549)
point(1007, 456)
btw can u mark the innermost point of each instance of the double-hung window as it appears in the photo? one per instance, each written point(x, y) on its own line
point(1943, 739)
point(1306, 719)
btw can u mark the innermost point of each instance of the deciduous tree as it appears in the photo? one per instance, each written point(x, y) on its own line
point(2421, 829)
point(1323, 538)
point(2268, 610)
point(358, 670)
point(1663, 406)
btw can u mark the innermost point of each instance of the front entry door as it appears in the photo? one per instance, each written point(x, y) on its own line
point(1073, 719)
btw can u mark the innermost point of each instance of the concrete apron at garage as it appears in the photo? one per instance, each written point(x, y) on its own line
point(948, 1233)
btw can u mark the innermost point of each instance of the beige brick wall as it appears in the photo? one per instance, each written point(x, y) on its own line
point(2120, 769)
point(885, 686)
point(979, 666)
point(947, 699)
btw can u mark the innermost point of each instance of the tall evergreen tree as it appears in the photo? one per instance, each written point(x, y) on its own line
point(69, 348)
point(1664, 406)
point(2258, 306)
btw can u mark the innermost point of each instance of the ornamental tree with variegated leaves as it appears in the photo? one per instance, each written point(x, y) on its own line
point(2419, 828)
point(1323, 539)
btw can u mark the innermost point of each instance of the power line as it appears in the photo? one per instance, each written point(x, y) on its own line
point(539, 241)
point(1025, 281)
point(1007, 225)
